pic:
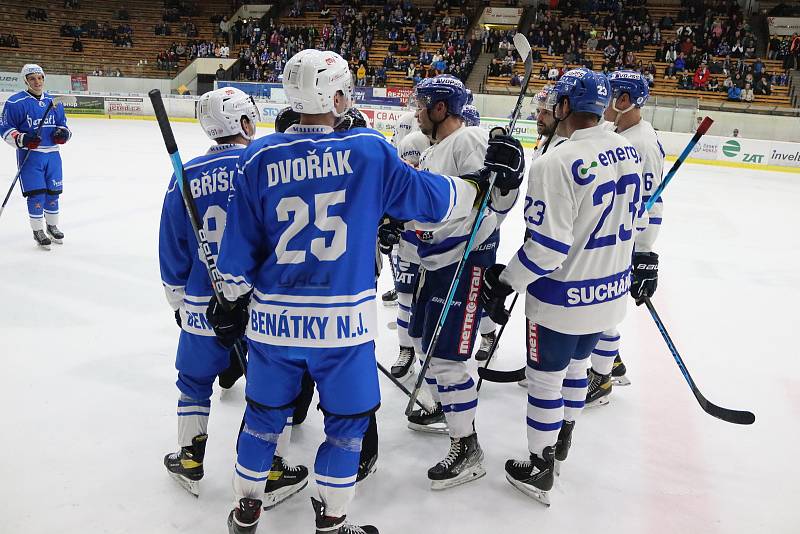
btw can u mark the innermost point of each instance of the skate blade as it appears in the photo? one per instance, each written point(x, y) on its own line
point(534, 493)
point(390, 303)
point(462, 478)
point(620, 381)
point(371, 470)
point(43, 247)
point(411, 372)
point(602, 401)
point(55, 240)
point(523, 383)
point(274, 498)
point(436, 428)
point(192, 486)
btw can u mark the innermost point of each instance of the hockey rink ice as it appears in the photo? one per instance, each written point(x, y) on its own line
point(87, 345)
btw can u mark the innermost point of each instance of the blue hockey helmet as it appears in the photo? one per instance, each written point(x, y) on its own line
point(587, 91)
point(471, 115)
point(631, 82)
point(443, 88)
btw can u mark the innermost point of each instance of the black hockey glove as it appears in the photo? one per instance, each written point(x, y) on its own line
point(352, 118)
point(178, 318)
point(645, 276)
point(26, 140)
point(506, 157)
point(228, 325)
point(61, 135)
point(389, 234)
point(494, 293)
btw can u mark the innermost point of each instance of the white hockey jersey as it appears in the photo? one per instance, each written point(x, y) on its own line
point(542, 142)
point(461, 152)
point(645, 139)
point(412, 146)
point(581, 212)
point(406, 124)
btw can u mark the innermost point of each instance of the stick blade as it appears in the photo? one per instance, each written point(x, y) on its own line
point(522, 45)
point(501, 377)
point(737, 417)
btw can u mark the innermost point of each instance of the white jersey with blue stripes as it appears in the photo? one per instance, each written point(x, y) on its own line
point(406, 124)
point(581, 212)
point(461, 152)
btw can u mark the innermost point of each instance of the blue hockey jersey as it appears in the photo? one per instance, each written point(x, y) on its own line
point(302, 224)
point(183, 270)
point(23, 112)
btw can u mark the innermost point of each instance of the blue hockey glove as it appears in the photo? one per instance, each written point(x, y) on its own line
point(494, 293)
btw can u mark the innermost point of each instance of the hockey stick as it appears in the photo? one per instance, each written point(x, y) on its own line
point(402, 388)
point(191, 209)
point(485, 367)
point(490, 375)
point(21, 165)
point(523, 47)
point(731, 416)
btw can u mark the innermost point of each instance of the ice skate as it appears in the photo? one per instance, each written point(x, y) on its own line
point(487, 340)
point(367, 467)
point(337, 525)
point(244, 518)
point(389, 298)
point(599, 389)
point(425, 421)
point(55, 234)
point(404, 366)
point(186, 465)
point(42, 240)
point(618, 377)
point(533, 477)
point(283, 482)
point(563, 444)
point(463, 463)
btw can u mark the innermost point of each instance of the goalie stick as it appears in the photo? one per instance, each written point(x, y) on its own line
point(524, 50)
point(191, 209)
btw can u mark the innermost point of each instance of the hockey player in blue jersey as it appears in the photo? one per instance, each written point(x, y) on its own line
point(228, 116)
point(41, 176)
point(630, 92)
point(298, 255)
point(574, 267)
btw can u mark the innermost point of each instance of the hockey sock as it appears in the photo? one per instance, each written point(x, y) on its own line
point(430, 380)
point(487, 326)
point(545, 408)
point(257, 442)
point(605, 351)
point(336, 466)
point(574, 389)
point(403, 315)
point(51, 210)
point(36, 211)
point(192, 418)
point(458, 395)
point(283, 441)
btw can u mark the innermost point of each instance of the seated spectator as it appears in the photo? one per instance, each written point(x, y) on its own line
point(553, 74)
point(727, 83)
point(685, 82)
point(715, 67)
point(680, 63)
point(380, 76)
point(77, 45)
point(713, 85)
point(361, 76)
point(734, 94)
point(763, 85)
point(669, 71)
point(543, 72)
point(701, 78)
point(747, 94)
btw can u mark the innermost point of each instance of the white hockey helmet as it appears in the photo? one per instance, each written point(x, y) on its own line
point(312, 77)
point(220, 112)
point(31, 68)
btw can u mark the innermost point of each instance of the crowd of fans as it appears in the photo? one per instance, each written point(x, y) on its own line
point(121, 35)
point(9, 41)
point(351, 31)
point(786, 49)
point(36, 14)
point(170, 58)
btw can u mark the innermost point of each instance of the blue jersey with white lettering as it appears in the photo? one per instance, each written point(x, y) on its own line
point(23, 112)
point(302, 225)
point(183, 269)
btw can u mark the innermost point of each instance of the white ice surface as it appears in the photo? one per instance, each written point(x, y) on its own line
point(87, 346)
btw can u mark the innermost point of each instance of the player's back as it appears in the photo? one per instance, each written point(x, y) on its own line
point(600, 171)
point(210, 178)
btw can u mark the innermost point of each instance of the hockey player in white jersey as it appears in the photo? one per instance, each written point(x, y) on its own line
point(574, 268)
point(305, 209)
point(228, 116)
point(630, 92)
point(455, 149)
point(406, 124)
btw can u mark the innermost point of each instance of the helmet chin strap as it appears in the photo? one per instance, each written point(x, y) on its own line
point(620, 112)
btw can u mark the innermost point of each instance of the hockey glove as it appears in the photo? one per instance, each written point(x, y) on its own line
point(229, 326)
point(506, 157)
point(389, 234)
point(494, 293)
point(178, 318)
point(352, 118)
point(61, 135)
point(645, 276)
point(480, 180)
point(26, 140)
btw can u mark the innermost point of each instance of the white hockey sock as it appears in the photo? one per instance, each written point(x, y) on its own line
point(574, 389)
point(37, 223)
point(403, 316)
point(192, 418)
point(605, 351)
point(458, 395)
point(283, 441)
point(51, 218)
point(545, 408)
point(487, 326)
